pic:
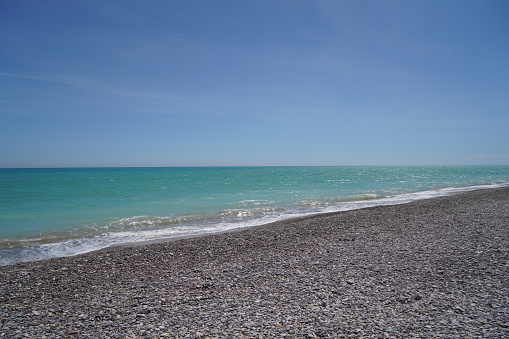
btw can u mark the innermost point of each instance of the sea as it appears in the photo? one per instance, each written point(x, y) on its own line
point(56, 212)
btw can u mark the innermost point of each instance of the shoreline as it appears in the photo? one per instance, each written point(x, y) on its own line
point(66, 247)
point(427, 268)
point(451, 192)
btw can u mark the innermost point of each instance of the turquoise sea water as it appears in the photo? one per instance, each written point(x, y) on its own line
point(48, 213)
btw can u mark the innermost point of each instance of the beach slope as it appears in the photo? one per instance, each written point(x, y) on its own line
point(427, 269)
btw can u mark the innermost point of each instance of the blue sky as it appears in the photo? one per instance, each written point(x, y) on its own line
point(275, 82)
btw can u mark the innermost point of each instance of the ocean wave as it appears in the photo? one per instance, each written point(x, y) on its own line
point(152, 228)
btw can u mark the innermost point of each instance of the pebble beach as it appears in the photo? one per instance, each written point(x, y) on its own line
point(436, 268)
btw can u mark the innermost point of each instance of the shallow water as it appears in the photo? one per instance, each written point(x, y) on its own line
point(48, 213)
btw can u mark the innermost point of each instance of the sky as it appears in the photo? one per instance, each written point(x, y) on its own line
point(253, 83)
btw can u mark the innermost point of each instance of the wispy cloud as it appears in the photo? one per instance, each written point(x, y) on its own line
point(29, 77)
point(57, 78)
point(68, 80)
point(90, 84)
